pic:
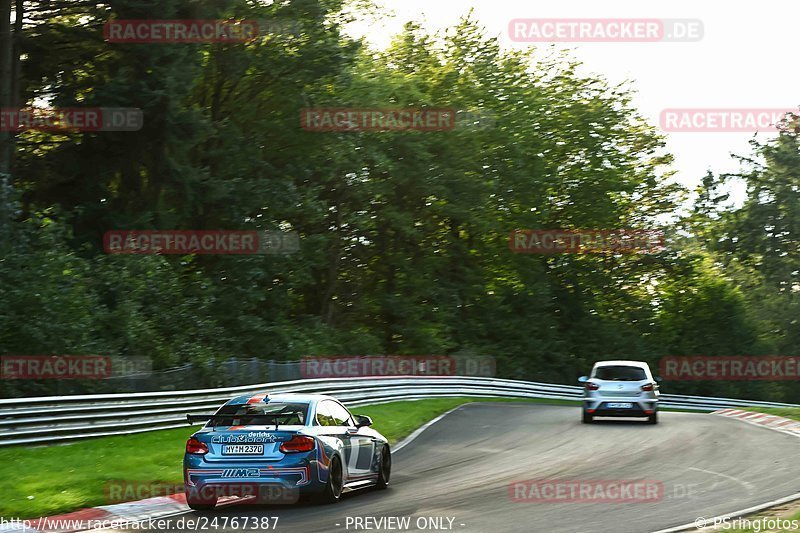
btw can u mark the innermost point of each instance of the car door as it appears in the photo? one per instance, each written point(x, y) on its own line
point(330, 420)
point(362, 447)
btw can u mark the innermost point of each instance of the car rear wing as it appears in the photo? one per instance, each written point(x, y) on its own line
point(191, 419)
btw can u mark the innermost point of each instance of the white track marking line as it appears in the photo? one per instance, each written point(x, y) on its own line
point(750, 510)
point(417, 432)
point(749, 486)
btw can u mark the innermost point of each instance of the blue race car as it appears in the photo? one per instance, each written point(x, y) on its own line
point(280, 448)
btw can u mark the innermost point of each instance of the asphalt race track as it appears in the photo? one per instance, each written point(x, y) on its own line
point(461, 468)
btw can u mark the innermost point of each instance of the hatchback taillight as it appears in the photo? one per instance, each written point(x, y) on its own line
point(592, 386)
point(299, 443)
point(648, 387)
point(195, 446)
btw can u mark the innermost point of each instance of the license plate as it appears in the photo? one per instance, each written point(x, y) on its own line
point(620, 405)
point(243, 449)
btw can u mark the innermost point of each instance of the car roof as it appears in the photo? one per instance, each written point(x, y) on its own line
point(621, 362)
point(279, 397)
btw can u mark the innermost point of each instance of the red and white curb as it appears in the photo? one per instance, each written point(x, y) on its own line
point(778, 423)
point(105, 516)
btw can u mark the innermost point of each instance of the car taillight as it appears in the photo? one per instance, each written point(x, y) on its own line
point(592, 386)
point(195, 446)
point(648, 387)
point(299, 443)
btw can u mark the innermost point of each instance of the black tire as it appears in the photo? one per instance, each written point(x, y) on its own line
point(333, 488)
point(587, 418)
point(196, 500)
point(201, 506)
point(653, 419)
point(384, 468)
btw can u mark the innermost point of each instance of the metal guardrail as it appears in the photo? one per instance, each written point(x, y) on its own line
point(52, 419)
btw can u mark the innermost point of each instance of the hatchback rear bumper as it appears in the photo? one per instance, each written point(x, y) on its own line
point(605, 407)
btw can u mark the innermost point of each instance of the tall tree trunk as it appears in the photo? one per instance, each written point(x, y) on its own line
point(6, 84)
point(16, 54)
point(7, 99)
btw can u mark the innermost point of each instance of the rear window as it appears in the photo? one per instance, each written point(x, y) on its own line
point(284, 414)
point(620, 373)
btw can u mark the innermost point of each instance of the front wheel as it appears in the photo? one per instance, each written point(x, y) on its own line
point(652, 419)
point(587, 418)
point(384, 468)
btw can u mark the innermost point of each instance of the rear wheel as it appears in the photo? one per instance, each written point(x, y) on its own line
point(200, 506)
point(653, 419)
point(198, 503)
point(333, 488)
point(587, 418)
point(384, 468)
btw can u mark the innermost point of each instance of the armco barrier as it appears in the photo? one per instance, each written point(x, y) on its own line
point(52, 419)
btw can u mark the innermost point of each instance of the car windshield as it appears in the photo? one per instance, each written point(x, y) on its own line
point(279, 413)
point(620, 373)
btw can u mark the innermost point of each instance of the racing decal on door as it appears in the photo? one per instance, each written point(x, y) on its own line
point(362, 450)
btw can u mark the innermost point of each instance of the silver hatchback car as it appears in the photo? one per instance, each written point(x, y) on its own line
point(620, 388)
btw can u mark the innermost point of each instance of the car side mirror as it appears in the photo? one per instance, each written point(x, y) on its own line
point(362, 420)
point(583, 379)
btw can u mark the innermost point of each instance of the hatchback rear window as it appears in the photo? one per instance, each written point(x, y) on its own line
point(619, 373)
point(263, 414)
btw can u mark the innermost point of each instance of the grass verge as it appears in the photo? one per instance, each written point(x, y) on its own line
point(48, 480)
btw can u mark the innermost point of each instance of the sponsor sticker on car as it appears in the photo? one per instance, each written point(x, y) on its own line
point(253, 437)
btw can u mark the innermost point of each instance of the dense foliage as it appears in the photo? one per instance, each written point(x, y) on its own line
point(404, 234)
